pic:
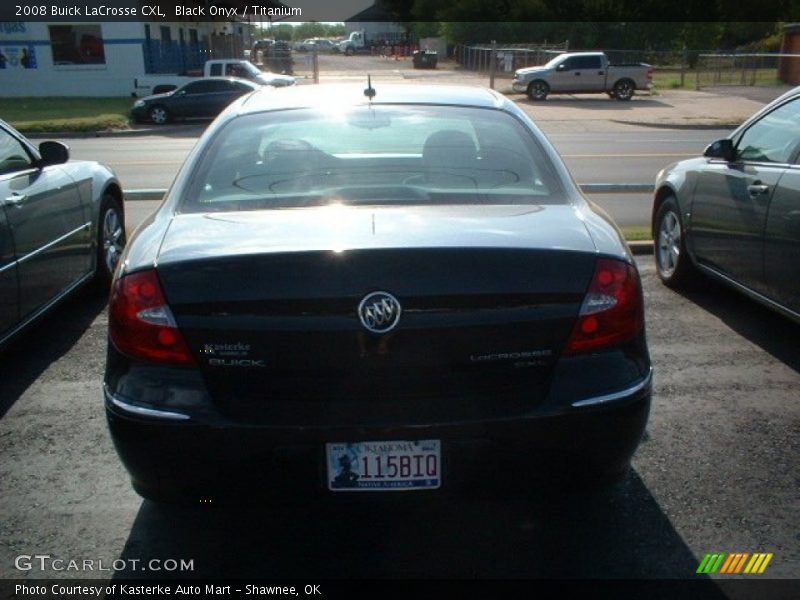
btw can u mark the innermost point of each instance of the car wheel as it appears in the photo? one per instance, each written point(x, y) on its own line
point(673, 264)
point(624, 89)
point(110, 240)
point(538, 90)
point(159, 115)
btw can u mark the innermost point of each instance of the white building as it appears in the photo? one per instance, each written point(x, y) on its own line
point(375, 22)
point(103, 59)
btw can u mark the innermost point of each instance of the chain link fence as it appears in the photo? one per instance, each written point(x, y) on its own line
point(306, 65)
point(672, 68)
point(746, 69)
point(509, 57)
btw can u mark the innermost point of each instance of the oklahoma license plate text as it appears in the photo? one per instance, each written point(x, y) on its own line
point(384, 466)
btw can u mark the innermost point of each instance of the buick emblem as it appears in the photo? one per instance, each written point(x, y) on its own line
point(379, 312)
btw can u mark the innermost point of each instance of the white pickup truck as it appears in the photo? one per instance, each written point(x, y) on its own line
point(147, 85)
point(583, 73)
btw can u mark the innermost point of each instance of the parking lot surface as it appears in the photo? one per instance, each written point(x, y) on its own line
point(718, 471)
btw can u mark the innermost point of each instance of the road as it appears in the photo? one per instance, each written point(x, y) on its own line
point(716, 472)
point(631, 155)
point(622, 157)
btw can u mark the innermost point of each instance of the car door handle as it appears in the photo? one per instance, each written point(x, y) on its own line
point(15, 199)
point(601, 73)
point(757, 189)
point(578, 73)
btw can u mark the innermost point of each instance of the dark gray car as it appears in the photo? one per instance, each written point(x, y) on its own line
point(201, 99)
point(61, 225)
point(734, 213)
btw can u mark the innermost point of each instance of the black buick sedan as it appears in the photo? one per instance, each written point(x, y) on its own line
point(201, 99)
point(397, 289)
point(734, 213)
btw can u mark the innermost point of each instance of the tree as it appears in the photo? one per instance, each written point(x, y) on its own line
point(335, 30)
point(284, 31)
point(402, 11)
point(425, 29)
point(307, 30)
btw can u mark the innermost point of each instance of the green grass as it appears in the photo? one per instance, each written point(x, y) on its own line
point(31, 115)
point(637, 233)
point(670, 78)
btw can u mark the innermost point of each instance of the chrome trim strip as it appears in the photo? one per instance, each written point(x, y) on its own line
point(752, 294)
point(46, 247)
point(5, 268)
point(141, 411)
point(644, 383)
point(32, 317)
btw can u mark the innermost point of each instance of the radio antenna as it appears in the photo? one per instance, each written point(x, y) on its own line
point(369, 92)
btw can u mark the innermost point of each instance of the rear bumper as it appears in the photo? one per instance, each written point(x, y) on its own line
point(171, 457)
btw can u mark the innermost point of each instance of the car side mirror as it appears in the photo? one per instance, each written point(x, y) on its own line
point(53, 153)
point(561, 67)
point(720, 149)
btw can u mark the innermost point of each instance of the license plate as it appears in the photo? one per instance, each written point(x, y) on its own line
point(384, 466)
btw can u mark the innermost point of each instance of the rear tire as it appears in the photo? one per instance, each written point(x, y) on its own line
point(624, 89)
point(111, 240)
point(538, 90)
point(673, 265)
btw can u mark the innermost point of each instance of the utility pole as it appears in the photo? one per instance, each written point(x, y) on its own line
point(492, 63)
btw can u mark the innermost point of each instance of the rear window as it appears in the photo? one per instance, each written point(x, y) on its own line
point(379, 154)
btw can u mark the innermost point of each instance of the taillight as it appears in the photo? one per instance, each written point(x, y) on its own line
point(140, 321)
point(612, 312)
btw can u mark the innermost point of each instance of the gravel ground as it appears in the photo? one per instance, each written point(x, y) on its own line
point(718, 472)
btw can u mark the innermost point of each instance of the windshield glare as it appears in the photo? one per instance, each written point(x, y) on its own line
point(377, 155)
point(554, 61)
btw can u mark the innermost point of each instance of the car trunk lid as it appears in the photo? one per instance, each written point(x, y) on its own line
point(269, 304)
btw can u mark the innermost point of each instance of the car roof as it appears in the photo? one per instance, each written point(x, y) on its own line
point(792, 93)
point(312, 96)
